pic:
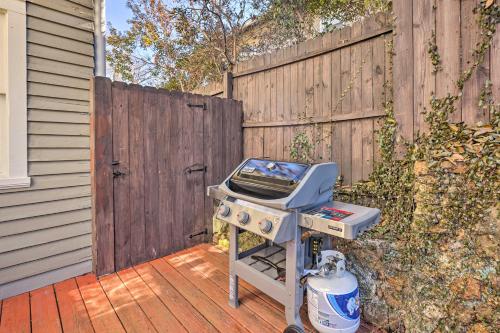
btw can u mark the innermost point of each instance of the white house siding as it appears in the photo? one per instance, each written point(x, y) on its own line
point(45, 230)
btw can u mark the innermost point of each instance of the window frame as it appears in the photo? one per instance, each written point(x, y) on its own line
point(13, 130)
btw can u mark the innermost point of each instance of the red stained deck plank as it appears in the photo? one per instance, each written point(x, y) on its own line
point(192, 320)
point(72, 311)
point(183, 292)
point(16, 314)
point(101, 312)
point(129, 312)
point(220, 260)
point(194, 271)
point(218, 317)
point(162, 319)
point(274, 316)
point(44, 312)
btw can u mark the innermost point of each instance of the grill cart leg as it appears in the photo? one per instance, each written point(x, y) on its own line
point(233, 256)
point(294, 269)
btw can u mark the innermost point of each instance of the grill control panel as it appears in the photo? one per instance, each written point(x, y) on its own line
point(339, 219)
point(270, 223)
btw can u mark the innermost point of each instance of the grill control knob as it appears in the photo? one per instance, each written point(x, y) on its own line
point(224, 210)
point(265, 226)
point(243, 218)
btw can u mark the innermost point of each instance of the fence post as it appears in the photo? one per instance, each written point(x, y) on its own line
point(227, 85)
point(102, 176)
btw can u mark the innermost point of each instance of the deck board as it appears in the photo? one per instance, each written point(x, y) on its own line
point(183, 292)
point(192, 320)
point(210, 310)
point(161, 317)
point(44, 313)
point(16, 314)
point(72, 311)
point(100, 310)
point(197, 272)
point(129, 312)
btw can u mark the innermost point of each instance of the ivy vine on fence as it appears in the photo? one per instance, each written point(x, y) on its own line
point(439, 202)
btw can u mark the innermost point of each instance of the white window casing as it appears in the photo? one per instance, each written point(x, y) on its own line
point(13, 95)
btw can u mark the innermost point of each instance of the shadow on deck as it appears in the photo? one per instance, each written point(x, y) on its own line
point(184, 292)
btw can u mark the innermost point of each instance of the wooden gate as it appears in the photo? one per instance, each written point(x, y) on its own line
point(153, 154)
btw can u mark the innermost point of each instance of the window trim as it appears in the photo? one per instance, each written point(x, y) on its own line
point(14, 162)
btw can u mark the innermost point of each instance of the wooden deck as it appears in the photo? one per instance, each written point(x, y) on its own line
point(184, 292)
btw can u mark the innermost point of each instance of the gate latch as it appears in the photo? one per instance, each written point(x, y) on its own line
point(201, 106)
point(204, 232)
point(118, 173)
point(195, 168)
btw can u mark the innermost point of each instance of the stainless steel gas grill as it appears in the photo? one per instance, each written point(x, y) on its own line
point(279, 201)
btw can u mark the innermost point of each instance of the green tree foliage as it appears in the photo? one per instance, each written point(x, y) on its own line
point(297, 20)
point(181, 44)
point(184, 44)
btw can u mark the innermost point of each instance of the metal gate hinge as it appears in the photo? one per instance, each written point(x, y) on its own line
point(201, 106)
point(195, 168)
point(204, 232)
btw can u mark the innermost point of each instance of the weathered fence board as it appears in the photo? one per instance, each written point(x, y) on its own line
point(154, 152)
point(332, 87)
point(329, 88)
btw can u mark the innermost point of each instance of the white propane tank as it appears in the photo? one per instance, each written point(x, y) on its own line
point(333, 296)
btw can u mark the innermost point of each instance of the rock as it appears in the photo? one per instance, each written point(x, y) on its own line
point(467, 287)
point(433, 312)
point(446, 165)
point(478, 328)
point(396, 282)
point(472, 289)
point(484, 311)
point(464, 314)
point(488, 245)
point(421, 168)
point(460, 168)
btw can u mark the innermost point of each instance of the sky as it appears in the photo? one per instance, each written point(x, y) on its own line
point(117, 13)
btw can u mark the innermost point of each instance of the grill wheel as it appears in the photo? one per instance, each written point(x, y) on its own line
point(293, 329)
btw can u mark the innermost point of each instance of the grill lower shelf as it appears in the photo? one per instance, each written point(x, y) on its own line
point(275, 254)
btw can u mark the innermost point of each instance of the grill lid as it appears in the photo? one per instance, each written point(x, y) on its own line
point(267, 179)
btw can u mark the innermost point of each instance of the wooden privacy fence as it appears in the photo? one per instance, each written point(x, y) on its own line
point(332, 87)
point(153, 154)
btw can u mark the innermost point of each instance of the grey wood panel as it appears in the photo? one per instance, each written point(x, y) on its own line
point(45, 228)
point(57, 104)
point(27, 197)
point(58, 67)
point(57, 167)
point(54, 181)
point(43, 208)
point(59, 116)
point(60, 30)
point(44, 265)
point(66, 7)
point(43, 279)
point(41, 89)
point(54, 141)
point(59, 17)
point(57, 42)
point(45, 250)
point(58, 80)
point(64, 56)
point(58, 128)
point(43, 222)
point(57, 154)
point(34, 238)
